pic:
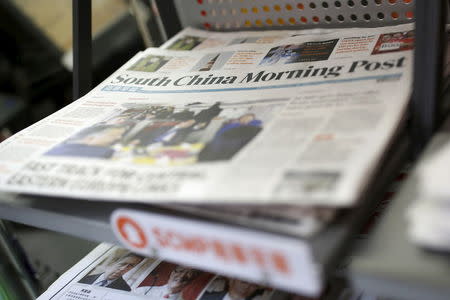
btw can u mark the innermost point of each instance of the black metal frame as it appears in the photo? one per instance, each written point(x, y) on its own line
point(82, 47)
point(169, 17)
point(428, 70)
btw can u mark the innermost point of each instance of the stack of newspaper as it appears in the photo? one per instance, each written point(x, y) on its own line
point(276, 129)
point(109, 272)
point(428, 217)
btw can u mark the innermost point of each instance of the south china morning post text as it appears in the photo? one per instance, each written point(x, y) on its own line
point(326, 72)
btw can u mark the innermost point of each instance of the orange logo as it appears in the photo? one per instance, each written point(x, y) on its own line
point(131, 232)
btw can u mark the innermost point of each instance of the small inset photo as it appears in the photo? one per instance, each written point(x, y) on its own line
point(212, 61)
point(306, 52)
point(173, 282)
point(151, 63)
point(394, 42)
point(119, 270)
point(234, 289)
point(186, 43)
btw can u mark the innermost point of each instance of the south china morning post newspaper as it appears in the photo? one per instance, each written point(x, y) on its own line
point(183, 123)
point(303, 133)
point(109, 273)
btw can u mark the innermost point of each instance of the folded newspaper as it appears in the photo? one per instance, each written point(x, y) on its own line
point(109, 272)
point(429, 213)
point(294, 122)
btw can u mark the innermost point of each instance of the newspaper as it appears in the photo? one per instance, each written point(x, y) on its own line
point(429, 224)
point(434, 168)
point(428, 214)
point(109, 273)
point(278, 260)
point(293, 132)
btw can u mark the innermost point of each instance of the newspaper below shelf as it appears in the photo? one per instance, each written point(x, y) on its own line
point(133, 277)
point(110, 272)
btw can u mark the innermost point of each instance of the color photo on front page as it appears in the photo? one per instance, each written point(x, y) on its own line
point(187, 42)
point(394, 42)
point(295, 53)
point(172, 135)
point(151, 63)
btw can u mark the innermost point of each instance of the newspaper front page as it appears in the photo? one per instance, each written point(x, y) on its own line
point(298, 131)
point(110, 273)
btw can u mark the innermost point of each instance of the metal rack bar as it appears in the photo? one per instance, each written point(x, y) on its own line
point(428, 59)
point(169, 18)
point(82, 47)
point(15, 261)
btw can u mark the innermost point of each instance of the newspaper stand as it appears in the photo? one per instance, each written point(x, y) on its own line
point(90, 220)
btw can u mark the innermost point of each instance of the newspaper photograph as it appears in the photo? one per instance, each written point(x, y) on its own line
point(431, 167)
point(109, 272)
point(428, 224)
point(171, 135)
